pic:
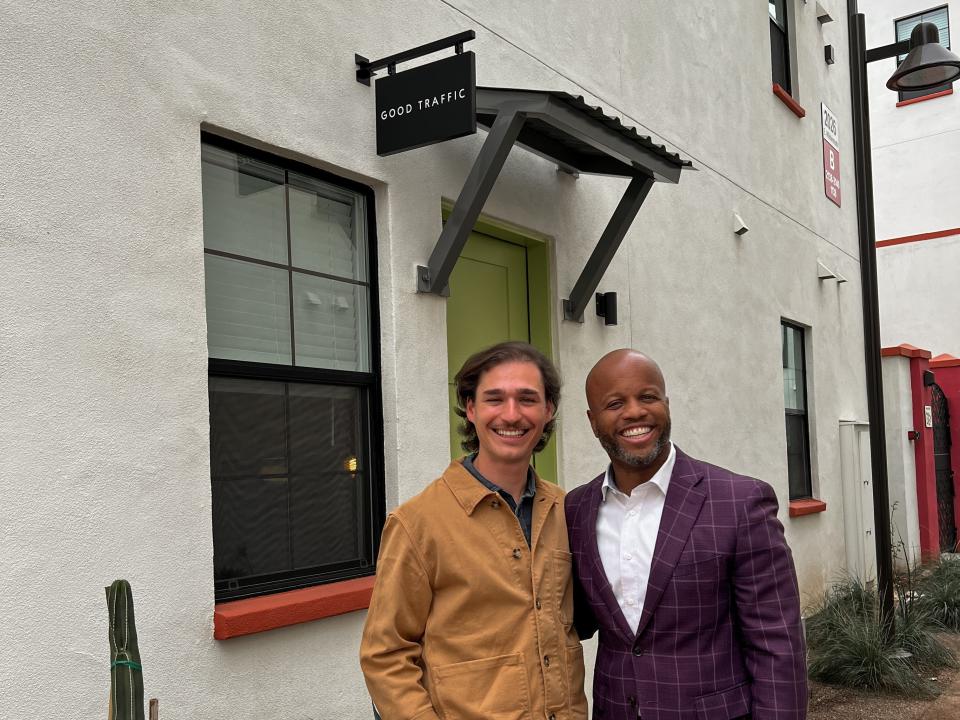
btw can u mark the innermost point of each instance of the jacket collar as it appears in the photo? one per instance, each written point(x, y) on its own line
point(470, 492)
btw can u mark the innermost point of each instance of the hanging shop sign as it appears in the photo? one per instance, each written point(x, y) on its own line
point(831, 155)
point(428, 104)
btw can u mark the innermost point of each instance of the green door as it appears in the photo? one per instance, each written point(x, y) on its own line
point(490, 302)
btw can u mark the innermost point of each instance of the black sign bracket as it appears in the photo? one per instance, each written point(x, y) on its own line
point(564, 129)
point(366, 69)
point(433, 277)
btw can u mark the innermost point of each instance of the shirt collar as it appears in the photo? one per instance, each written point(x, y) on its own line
point(661, 478)
point(528, 492)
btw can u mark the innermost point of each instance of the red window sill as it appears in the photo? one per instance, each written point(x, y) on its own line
point(253, 615)
point(787, 99)
point(806, 507)
point(915, 100)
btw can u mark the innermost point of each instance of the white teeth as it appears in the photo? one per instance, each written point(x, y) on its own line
point(634, 432)
point(510, 433)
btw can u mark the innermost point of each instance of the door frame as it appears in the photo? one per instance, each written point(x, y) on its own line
point(540, 275)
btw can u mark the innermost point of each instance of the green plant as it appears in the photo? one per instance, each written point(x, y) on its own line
point(939, 594)
point(848, 645)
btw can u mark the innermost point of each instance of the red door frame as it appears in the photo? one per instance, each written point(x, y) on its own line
point(920, 396)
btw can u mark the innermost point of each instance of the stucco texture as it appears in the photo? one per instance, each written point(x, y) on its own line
point(104, 433)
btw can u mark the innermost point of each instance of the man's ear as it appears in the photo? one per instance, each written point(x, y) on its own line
point(469, 409)
point(551, 411)
point(592, 424)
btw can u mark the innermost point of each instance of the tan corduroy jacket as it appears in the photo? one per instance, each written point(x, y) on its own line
point(466, 622)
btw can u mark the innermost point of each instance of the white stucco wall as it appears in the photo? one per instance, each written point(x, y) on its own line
point(104, 410)
point(901, 464)
point(916, 169)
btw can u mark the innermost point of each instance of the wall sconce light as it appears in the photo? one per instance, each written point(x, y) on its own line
point(829, 57)
point(607, 307)
point(739, 226)
point(825, 273)
point(823, 15)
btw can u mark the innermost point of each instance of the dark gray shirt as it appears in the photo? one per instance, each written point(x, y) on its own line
point(523, 511)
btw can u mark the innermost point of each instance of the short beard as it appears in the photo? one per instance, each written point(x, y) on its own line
point(609, 443)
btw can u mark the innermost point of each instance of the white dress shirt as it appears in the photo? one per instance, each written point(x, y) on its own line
point(627, 527)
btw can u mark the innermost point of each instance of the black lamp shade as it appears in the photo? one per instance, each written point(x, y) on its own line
point(927, 65)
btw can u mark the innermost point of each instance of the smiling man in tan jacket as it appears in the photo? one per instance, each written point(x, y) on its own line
point(472, 611)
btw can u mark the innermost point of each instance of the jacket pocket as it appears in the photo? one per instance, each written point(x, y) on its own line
point(563, 585)
point(492, 688)
point(706, 567)
point(577, 699)
point(733, 702)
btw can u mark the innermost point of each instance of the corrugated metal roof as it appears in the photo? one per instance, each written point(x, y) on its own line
point(584, 151)
point(596, 112)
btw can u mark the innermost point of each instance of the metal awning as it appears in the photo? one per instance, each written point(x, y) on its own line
point(579, 139)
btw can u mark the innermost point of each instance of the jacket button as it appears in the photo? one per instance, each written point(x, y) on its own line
point(551, 716)
point(632, 700)
point(516, 553)
point(638, 651)
point(537, 603)
point(495, 504)
point(546, 661)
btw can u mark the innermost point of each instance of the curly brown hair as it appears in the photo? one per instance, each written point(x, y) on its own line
point(468, 378)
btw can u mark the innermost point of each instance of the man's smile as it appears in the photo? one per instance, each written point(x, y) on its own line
point(510, 432)
point(637, 433)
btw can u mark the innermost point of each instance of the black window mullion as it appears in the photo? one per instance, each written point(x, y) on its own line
point(800, 485)
point(299, 421)
point(286, 210)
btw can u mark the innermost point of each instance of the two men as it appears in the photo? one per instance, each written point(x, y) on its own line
point(472, 612)
point(681, 565)
point(683, 568)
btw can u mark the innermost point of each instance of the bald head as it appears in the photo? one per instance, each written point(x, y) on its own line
point(619, 363)
point(630, 414)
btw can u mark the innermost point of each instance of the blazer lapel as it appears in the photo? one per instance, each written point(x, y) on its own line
point(684, 499)
point(592, 553)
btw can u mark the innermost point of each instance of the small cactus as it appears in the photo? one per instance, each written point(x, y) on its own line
point(126, 676)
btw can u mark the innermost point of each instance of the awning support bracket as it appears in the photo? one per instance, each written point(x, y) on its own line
point(602, 255)
point(433, 277)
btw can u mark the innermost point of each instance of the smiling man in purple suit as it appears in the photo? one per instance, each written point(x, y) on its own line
point(683, 568)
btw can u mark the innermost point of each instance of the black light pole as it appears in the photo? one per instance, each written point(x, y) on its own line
point(927, 65)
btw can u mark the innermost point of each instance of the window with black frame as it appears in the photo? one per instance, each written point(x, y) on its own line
point(780, 44)
point(795, 408)
point(903, 27)
point(295, 429)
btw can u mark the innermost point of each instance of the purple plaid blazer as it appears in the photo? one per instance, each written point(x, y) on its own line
point(720, 634)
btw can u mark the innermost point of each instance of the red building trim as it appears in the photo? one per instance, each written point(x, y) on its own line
point(253, 615)
point(906, 350)
point(787, 99)
point(945, 361)
point(806, 507)
point(913, 101)
point(918, 238)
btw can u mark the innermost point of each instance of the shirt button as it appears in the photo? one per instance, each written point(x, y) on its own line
point(537, 603)
point(546, 661)
point(630, 602)
point(628, 556)
point(516, 553)
point(551, 716)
